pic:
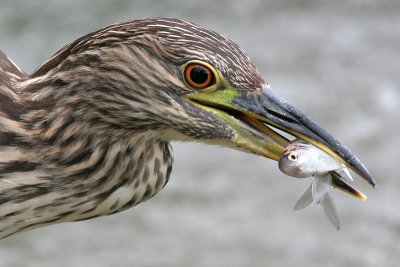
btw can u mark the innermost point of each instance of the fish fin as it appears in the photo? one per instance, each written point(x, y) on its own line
point(304, 200)
point(347, 172)
point(330, 209)
point(320, 186)
point(344, 173)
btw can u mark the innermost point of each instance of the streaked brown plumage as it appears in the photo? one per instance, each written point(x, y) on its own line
point(87, 133)
point(84, 135)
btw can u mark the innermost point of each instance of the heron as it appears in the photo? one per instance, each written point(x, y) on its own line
point(88, 132)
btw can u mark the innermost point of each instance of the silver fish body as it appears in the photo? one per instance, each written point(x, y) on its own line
point(302, 160)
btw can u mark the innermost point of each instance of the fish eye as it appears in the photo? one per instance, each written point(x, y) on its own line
point(293, 156)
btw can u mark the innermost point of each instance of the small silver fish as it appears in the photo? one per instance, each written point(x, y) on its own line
point(302, 159)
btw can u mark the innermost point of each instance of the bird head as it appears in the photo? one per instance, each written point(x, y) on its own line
point(184, 82)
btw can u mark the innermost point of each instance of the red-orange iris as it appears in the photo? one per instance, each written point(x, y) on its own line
point(198, 75)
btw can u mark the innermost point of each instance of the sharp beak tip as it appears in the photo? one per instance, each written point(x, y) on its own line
point(363, 172)
point(291, 120)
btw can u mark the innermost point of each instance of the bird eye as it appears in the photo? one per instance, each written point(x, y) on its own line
point(198, 75)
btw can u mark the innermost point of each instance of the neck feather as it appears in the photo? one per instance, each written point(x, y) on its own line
point(56, 166)
point(86, 178)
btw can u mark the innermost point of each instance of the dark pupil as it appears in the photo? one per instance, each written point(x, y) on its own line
point(198, 75)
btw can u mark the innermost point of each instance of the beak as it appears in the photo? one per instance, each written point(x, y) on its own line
point(253, 114)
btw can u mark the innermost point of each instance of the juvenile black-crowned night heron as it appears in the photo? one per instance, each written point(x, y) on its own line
point(87, 134)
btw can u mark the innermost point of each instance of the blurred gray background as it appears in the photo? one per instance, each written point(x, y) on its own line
point(338, 61)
